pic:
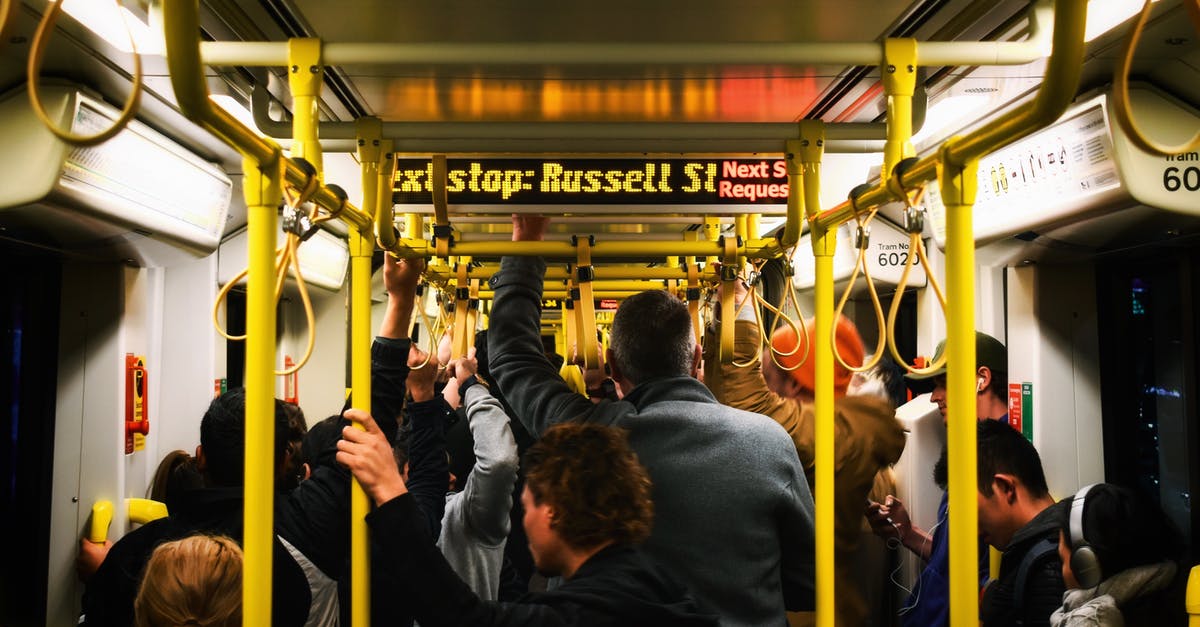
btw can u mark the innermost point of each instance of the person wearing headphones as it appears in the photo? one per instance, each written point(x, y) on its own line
point(1118, 556)
point(928, 605)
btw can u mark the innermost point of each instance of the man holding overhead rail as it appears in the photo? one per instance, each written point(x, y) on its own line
point(734, 512)
point(782, 386)
point(929, 603)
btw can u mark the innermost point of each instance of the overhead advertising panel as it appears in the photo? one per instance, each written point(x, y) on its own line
point(1044, 178)
point(620, 181)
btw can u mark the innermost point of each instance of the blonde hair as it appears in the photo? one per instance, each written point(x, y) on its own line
point(194, 581)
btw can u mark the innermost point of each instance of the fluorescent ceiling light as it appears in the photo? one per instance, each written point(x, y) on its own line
point(1105, 15)
point(950, 113)
point(115, 24)
point(236, 109)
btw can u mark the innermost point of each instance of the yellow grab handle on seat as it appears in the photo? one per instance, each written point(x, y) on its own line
point(142, 511)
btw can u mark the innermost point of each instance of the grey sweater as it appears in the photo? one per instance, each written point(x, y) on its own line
point(733, 512)
point(475, 525)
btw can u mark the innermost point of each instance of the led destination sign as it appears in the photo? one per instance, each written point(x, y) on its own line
point(596, 181)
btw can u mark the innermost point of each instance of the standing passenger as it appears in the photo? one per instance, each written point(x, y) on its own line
point(929, 604)
point(193, 581)
point(1017, 516)
point(587, 507)
point(476, 524)
point(867, 438)
point(1118, 561)
point(734, 509)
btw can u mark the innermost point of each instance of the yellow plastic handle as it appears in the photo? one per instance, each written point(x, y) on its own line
point(102, 513)
point(1193, 596)
point(142, 511)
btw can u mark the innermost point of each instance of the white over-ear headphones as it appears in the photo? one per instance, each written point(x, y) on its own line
point(1085, 565)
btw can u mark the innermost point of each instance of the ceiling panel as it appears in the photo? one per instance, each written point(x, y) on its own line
point(550, 92)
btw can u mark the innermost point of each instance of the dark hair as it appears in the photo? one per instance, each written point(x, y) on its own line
point(297, 430)
point(319, 447)
point(1125, 529)
point(223, 436)
point(1003, 450)
point(652, 337)
point(999, 384)
point(594, 482)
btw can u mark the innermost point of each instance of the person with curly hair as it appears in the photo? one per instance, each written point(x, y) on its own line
point(587, 507)
point(193, 581)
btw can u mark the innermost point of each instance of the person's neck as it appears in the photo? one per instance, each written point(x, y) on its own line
point(992, 408)
point(578, 557)
point(1031, 507)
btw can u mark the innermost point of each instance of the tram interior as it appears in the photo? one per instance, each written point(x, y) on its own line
point(1086, 259)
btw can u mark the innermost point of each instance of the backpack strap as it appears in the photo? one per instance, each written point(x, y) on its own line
point(1037, 554)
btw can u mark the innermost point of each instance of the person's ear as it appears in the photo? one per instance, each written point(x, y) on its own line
point(983, 378)
point(1006, 487)
point(201, 461)
point(614, 371)
point(697, 360)
point(307, 472)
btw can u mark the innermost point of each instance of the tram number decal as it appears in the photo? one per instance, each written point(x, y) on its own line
point(893, 259)
point(1175, 178)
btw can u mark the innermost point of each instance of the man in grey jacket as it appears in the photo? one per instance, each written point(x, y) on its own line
point(734, 516)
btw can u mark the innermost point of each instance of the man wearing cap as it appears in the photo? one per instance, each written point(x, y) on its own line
point(929, 603)
point(868, 436)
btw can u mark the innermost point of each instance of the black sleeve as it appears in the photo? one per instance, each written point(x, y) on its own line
point(428, 470)
point(1043, 593)
point(389, 372)
point(315, 516)
point(434, 592)
point(108, 597)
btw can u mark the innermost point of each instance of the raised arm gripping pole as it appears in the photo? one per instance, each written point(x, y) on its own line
point(585, 305)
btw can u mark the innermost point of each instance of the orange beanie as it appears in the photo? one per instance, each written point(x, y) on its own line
point(849, 346)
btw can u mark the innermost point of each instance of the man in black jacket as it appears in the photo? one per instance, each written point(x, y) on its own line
point(587, 507)
point(1017, 516)
point(312, 535)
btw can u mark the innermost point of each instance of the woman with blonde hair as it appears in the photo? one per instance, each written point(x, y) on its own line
point(193, 581)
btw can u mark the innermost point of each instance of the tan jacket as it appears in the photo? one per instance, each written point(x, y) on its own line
point(867, 439)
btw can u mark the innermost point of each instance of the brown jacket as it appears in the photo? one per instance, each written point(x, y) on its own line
point(867, 439)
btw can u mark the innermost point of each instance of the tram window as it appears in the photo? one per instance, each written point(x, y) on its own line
point(1148, 382)
point(28, 376)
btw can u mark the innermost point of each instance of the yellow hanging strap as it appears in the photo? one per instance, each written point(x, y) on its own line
point(462, 300)
point(443, 233)
point(472, 315)
point(34, 67)
point(914, 224)
point(432, 328)
point(729, 276)
point(585, 304)
point(862, 240)
point(693, 297)
point(1121, 106)
point(569, 341)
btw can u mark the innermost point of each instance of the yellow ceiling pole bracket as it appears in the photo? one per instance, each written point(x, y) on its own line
point(729, 274)
point(585, 306)
point(443, 233)
point(958, 187)
point(899, 73)
point(305, 76)
point(262, 187)
point(361, 244)
point(693, 298)
point(462, 300)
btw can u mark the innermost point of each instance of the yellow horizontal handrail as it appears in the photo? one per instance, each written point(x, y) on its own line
point(182, 29)
point(1058, 88)
point(621, 249)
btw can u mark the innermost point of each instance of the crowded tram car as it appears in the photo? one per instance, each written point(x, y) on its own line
point(570, 313)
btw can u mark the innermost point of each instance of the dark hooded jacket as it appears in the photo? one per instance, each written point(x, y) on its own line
point(617, 586)
point(1003, 604)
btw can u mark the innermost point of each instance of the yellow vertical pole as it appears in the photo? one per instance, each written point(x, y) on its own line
point(305, 73)
point(804, 169)
point(899, 73)
point(362, 246)
point(263, 192)
point(958, 187)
